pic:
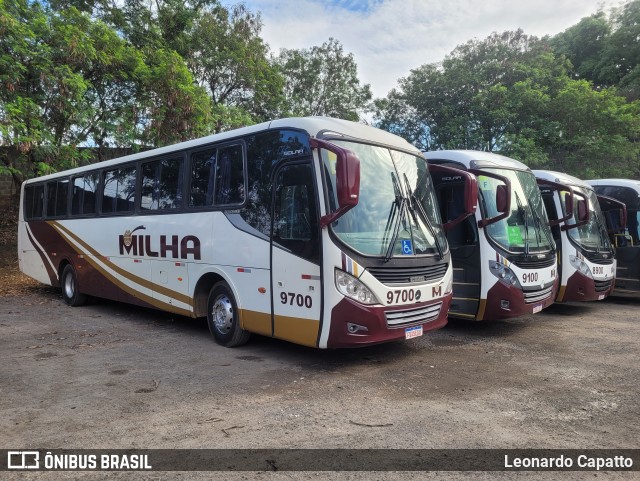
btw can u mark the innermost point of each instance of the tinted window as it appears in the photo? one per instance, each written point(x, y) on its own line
point(119, 190)
point(57, 198)
point(162, 184)
point(202, 178)
point(33, 201)
point(217, 177)
point(295, 225)
point(229, 183)
point(262, 154)
point(83, 197)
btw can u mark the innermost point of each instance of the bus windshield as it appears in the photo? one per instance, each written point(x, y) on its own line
point(593, 235)
point(397, 213)
point(526, 229)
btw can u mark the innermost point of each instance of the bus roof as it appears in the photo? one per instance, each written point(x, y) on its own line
point(624, 190)
point(475, 159)
point(632, 184)
point(561, 178)
point(314, 126)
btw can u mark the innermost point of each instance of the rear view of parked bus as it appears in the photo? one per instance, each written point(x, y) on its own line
point(587, 264)
point(625, 238)
point(318, 231)
point(504, 256)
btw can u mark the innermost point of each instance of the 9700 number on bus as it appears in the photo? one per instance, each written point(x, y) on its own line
point(404, 295)
point(300, 300)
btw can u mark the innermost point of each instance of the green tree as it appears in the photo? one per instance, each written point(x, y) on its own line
point(221, 46)
point(229, 58)
point(323, 81)
point(583, 44)
point(467, 101)
point(67, 80)
point(606, 49)
point(511, 94)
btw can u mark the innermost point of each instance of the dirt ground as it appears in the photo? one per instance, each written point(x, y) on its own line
point(112, 376)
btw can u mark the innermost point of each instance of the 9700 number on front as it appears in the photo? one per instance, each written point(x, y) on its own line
point(403, 295)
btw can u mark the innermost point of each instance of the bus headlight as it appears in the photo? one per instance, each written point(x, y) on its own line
point(504, 274)
point(581, 266)
point(354, 288)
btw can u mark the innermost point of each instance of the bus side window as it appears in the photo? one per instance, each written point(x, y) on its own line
point(295, 221)
point(57, 192)
point(229, 183)
point(119, 190)
point(161, 184)
point(33, 201)
point(202, 177)
point(83, 197)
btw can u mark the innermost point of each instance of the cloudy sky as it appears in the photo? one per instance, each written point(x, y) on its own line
point(388, 38)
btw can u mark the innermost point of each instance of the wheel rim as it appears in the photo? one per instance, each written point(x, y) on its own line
point(222, 313)
point(69, 287)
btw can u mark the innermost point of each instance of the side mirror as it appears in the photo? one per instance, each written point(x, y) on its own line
point(560, 188)
point(503, 197)
point(347, 179)
point(502, 202)
point(470, 191)
point(583, 210)
point(580, 211)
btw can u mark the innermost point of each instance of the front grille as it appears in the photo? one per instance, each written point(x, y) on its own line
point(534, 263)
point(537, 295)
point(602, 285)
point(407, 317)
point(412, 275)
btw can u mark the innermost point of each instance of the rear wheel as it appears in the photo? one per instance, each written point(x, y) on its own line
point(70, 291)
point(222, 317)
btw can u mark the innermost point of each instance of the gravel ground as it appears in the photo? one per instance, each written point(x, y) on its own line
point(110, 376)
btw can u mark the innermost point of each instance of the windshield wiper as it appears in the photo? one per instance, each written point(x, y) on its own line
point(538, 223)
point(525, 219)
point(423, 214)
point(395, 216)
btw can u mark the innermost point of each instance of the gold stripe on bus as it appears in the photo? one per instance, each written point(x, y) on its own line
point(254, 321)
point(296, 329)
point(466, 298)
point(483, 306)
point(131, 277)
point(561, 293)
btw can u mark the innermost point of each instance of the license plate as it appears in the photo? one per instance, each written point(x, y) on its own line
point(411, 332)
point(537, 308)
point(600, 297)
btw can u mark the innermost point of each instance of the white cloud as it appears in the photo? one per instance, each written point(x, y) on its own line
point(392, 37)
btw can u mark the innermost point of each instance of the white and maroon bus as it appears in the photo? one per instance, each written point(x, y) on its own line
point(587, 266)
point(319, 231)
point(504, 256)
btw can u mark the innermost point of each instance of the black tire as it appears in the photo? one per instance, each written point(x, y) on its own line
point(70, 289)
point(222, 317)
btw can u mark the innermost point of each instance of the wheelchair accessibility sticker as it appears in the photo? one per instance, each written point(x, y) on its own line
point(407, 248)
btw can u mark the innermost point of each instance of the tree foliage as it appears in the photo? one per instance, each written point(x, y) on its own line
point(510, 93)
point(323, 81)
point(606, 50)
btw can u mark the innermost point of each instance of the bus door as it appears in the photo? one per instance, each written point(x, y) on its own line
point(618, 219)
point(452, 190)
point(295, 255)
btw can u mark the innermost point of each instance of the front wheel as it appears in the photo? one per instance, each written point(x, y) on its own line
point(70, 292)
point(222, 317)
